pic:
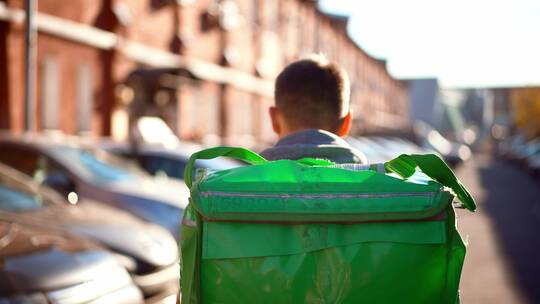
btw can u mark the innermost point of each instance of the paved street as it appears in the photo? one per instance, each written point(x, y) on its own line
point(503, 258)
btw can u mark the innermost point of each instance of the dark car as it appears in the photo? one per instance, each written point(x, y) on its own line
point(533, 163)
point(147, 251)
point(170, 161)
point(42, 266)
point(70, 166)
point(380, 149)
point(527, 150)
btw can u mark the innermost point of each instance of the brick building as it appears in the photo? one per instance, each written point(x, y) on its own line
point(205, 66)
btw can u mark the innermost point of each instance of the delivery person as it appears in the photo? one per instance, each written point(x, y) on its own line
point(312, 113)
point(320, 225)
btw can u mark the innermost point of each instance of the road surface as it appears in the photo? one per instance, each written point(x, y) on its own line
point(503, 236)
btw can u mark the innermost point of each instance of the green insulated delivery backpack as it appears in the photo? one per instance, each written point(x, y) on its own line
point(311, 231)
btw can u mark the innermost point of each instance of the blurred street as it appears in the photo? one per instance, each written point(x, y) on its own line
point(502, 236)
point(104, 103)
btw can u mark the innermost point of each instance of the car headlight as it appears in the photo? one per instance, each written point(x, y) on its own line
point(113, 279)
point(34, 298)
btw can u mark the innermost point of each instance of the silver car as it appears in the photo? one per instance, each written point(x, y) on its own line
point(75, 169)
point(40, 265)
point(147, 251)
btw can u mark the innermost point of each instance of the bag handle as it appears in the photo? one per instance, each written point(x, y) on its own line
point(434, 167)
point(232, 152)
point(404, 165)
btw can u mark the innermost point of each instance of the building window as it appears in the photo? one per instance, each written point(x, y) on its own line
point(200, 113)
point(241, 118)
point(291, 30)
point(85, 102)
point(272, 9)
point(255, 13)
point(50, 99)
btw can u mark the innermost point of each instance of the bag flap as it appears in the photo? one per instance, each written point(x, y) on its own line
point(240, 240)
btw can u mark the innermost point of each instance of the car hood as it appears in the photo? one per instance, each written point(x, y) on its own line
point(153, 246)
point(165, 190)
point(113, 228)
point(37, 259)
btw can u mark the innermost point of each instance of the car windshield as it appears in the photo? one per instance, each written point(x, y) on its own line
point(100, 165)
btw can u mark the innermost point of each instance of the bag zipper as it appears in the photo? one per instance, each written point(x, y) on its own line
point(316, 196)
point(438, 217)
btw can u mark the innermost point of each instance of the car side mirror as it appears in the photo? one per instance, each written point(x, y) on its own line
point(60, 182)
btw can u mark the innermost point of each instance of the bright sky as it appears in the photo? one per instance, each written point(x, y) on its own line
point(461, 42)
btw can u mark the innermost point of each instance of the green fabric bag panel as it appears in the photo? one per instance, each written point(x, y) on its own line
point(191, 248)
point(309, 231)
point(227, 240)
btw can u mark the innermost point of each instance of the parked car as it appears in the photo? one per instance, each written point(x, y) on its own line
point(380, 149)
point(147, 251)
point(373, 151)
point(160, 160)
point(401, 145)
point(39, 265)
point(70, 166)
point(533, 164)
point(507, 147)
point(453, 153)
point(526, 150)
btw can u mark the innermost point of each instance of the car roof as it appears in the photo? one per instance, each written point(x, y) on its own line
point(46, 140)
point(181, 151)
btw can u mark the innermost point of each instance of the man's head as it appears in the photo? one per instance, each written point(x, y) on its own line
point(312, 94)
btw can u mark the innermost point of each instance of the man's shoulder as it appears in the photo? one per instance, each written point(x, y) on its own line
point(314, 144)
point(336, 154)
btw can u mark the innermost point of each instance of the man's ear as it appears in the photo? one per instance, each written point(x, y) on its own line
point(345, 125)
point(274, 117)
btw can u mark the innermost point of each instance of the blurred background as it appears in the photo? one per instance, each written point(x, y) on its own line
point(102, 103)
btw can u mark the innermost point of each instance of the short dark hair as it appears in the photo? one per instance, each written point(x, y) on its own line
point(313, 93)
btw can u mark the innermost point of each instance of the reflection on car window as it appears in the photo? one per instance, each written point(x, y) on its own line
point(159, 165)
point(103, 170)
point(102, 167)
point(14, 200)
